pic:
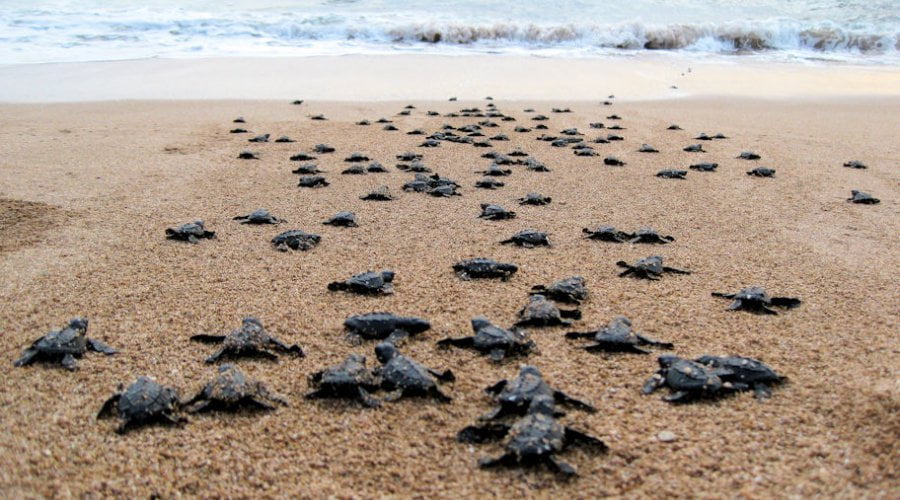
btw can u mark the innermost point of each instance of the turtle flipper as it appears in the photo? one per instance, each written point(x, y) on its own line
point(580, 335)
point(578, 438)
point(723, 295)
point(761, 390)
point(367, 399)
point(209, 339)
point(496, 388)
point(497, 355)
point(560, 467)
point(109, 407)
point(287, 349)
point(69, 363)
point(677, 397)
point(262, 404)
point(27, 358)
point(463, 342)
point(502, 461)
point(440, 395)
point(786, 302)
point(570, 313)
point(675, 270)
point(654, 342)
point(653, 383)
point(397, 337)
point(216, 356)
point(482, 433)
point(98, 346)
point(197, 405)
point(444, 376)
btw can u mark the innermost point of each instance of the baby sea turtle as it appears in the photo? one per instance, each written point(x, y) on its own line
point(376, 168)
point(261, 216)
point(144, 402)
point(612, 161)
point(614, 137)
point(600, 140)
point(687, 379)
point(528, 238)
point(63, 346)
point(855, 164)
point(430, 143)
point(541, 312)
point(535, 199)
point(704, 167)
point(500, 137)
point(586, 152)
point(494, 170)
point(342, 219)
point(613, 117)
point(539, 118)
point(416, 131)
point(302, 157)
point(570, 290)
point(607, 233)
point(318, 117)
point(561, 110)
point(673, 127)
point(762, 172)
point(356, 157)
point(570, 131)
point(367, 283)
point(492, 340)
point(284, 139)
point(489, 183)
point(484, 268)
point(617, 336)
point(312, 181)
point(323, 148)
point(383, 326)
point(239, 119)
point(238, 131)
point(250, 340)
point(259, 138)
point(383, 120)
point(247, 155)
point(295, 240)
point(495, 212)
point(364, 122)
point(348, 380)
point(482, 144)
point(649, 235)
point(670, 173)
point(748, 155)
point(744, 373)
point(297, 102)
point(755, 299)
point(381, 193)
point(650, 268)
point(533, 165)
point(415, 166)
point(231, 390)
point(443, 191)
point(533, 440)
point(861, 197)
point(192, 232)
point(309, 169)
point(646, 148)
point(694, 148)
point(513, 397)
point(404, 377)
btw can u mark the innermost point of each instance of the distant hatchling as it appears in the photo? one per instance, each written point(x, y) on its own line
point(704, 167)
point(192, 232)
point(383, 326)
point(494, 170)
point(259, 138)
point(355, 170)
point(570, 290)
point(247, 155)
point(142, 403)
point(863, 198)
point(484, 268)
point(284, 139)
point(238, 131)
point(761, 172)
point(673, 127)
point(855, 164)
point(403, 377)
point(261, 216)
point(356, 157)
point(342, 219)
point(496, 342)
point(748, 155)
point(513, 397)
point(63, 346)
point(607, 233)
point(367, 283)
point(650, 268)
point(618, 336)
point(670, 173)
point(381, 193)
point(323, 149)
point(528, 238)
point(541, 312)
point(250, 340)
point(295, 240)
point(756, 300)
point(535, 199)
point(613, 161)
point(231, 390)
point(302, 157)
point(744, 374)
point(308, 169)
point(349, 380)
point(694, 148)
point(489, 183)
point(312, 181)
point(649, 235)
point(646, 148)
point(318, 117)
point(495, 212)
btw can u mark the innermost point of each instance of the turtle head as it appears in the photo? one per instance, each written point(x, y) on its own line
point(78, 324)
point(251, 321)
point(667, 360)
point(542, 405)
point(385, 352)
point(529, 370)
point(480, 322)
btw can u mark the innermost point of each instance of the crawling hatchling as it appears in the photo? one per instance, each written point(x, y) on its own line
point(496, 342)
point(756, 300)
point(528, 238)
point(63, 346)
point(403, 377)
point(513, 397)
point(650, 268)
point(250, 340)
point(367, 283)
point(541, 312)
point(142, 403)
point(231, 390)
point(192, 232)
point(484, 268)
point(349, 380)
point(618, 336)
point(383, 326)
point(570, 290)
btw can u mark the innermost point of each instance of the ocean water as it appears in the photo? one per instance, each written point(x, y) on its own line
point(856, 31)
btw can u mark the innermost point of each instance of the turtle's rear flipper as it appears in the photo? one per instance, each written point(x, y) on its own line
point(675, 270)
point(109, 407)
point(506, 460)
point(786, 302)
point(68, 361)
point(288, 349)
point(463, 342)
point(197, 406)
point(263, 404)
point(444, 376)
point(494, 414)
point(762, 391)
point(440, 395)
point(561, 467)
point(564, 399)
point(482, 433)
point(98, 346)
point(316, 394)
point(209, 339)
point(654, 342)
point(578, 438)
point(27, 357)
point(215, 356)
point(496, 388)
point(367, 399)
point(677, 397)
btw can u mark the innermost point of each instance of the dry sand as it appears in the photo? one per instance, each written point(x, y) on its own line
point(87, 191)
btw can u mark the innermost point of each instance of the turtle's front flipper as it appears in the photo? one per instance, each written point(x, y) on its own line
point(677, 397)
point(653, 383)
point(444, 376)
point(761, 390)
point(654, 342)
point(636, 349)
point(463, 342)
point(494, 414)
point(483, 433)
point(787, 302)
point(69, 363)
point(394, 395)
point(496, 388)
point(196, 405)
point(506, 460)
point(27, 357)
point(209, 339)
point(263, 404)
point(570, 313)
point(675, 270)
point(215, 356)
point(288, 349)
point(440, 395)
point(578, 438)
point(767, 310)
point(497, 355)
point(560, 467)
point(98, 346)
point(109, 407)
point(564, 399)
point(723, 295)
point(316, 394)
point(367, 399)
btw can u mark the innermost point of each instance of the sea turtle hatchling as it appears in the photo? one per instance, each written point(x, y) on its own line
point(748, 155)
point(533, 165)
point(342, 219)
point(670, 173)
point(495, 212)
point(649, 235)
point(533, 440)
point(323, 148)
point(496, 342)
point(302, 157)
point(381, 193)
point(295, 240)
point(284, 139)
point(607, 233)
point(528, 238)
point(478, 268)
point(367, 283)
point(259, 138)
point(761, 172)
point(356, 157)
point(489, 183)
point(494, 170)
point(688, 380)
point(415, 166)
point(231, 390)
point(617, 336)
point(694, 148)
point(192, 232)
point(376, 168)
point(535, 199)
point(571, 290)
point(383, 326)
point(247, 155)
point(349, 380)
point(144, 402)
point(855, 164)
point(646, 148)
point(704, 167)
point(756, 300)
point(513, 397)
point(312, 181)
point(318, 117)
point(863, 198)
point(673, 127)
point(612, 161)
point(63, 346)
point(308, 169)
point(540, 312)
point(238, 131)
point(650, 268)
point(403, 377)
point(744, 373)
point(250, 340)
point(261, 216)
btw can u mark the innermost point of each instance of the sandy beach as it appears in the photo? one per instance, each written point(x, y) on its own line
point(87, 190)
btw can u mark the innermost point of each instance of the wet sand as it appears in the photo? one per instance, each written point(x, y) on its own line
point(87, 191)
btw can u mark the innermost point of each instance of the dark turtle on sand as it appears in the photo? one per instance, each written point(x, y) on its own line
point(356, 157)
point(704, 167)
point(607, 233)
point(673, 127)
point(231, 390)
point(533, 165)
point(570, 290)
point(383, 326)
point(444, 191)
point(297, 102)
point(432, 113)
point(499, 158)
point(492, 340)
point(63, 346)
point(646, 148)
point(756, 300)
point(560, 143)
point(283, 139)
point(354, 170)
point(703, 137)
point(617, 336)
point(348, 380)
point(312, 181)
point(694, 148)
point(539, 118)
point(381, 193)
point(295, 240)
point(500, 137)
point(671, 173)
point(855, 164)
point(261, 216)
point(513, 397)
point(416, 131)
point(521, 129)
point(528, 238)
point(541, 312)
point(494, 170)
point(239, 119)
point(415, 166)
point(596, 125)
point(533, 440)
point(489, 183)
point(144, 402)
point(376, 168)
point(535, 199)
point(720, 135)
point(495, 212)
point(484, 268)
point(364, 122)
point(404, 377)
point(863, 198)
point(302, 157)
point(250, 340)
point(259, 138)
point(308, 169)
point(561, 110)
point(744, 373)
point(367, 283)
point(488, 124)
point(600, 140)
point(430, 143)
point(342, 219)
point(687, 379)
point(383, 120)
point(247, 155)
point(649, 235)
point(587, 151)
point(546, 138)
point(318, 117)
point(482, 144)
point(192, 232)
point(614, 137)
point(762, 172)
point(748, 155)
point(613, 117)
point(613, 161)
point(616, 127)
point(570, 131)
point(238, 131)
point(405, 112)
point(650, 268)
